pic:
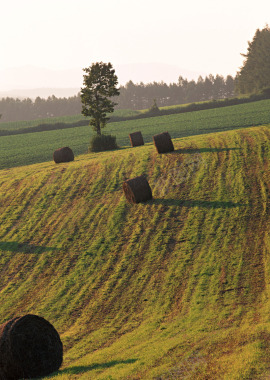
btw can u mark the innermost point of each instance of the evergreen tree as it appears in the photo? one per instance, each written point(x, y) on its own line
point(229, 87)
point(255, 72)
point(100, 84)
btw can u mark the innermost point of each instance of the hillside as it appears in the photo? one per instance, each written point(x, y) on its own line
point(174, 288)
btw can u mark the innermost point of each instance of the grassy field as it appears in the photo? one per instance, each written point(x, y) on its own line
point(126, 113)
point(39, 147)
point(174, 288)
point(63, 119)
point(14, 125)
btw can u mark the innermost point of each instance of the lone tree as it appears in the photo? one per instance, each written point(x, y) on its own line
point(100, 84)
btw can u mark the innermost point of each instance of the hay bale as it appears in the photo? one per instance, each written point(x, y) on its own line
point(2, 375)
point(137, 190)
point(163, 142)
point(29, 347)
point(64, 154)
point(136, 139)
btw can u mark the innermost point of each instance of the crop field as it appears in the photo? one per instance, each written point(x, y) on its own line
point(174, 288)
point(53, 120)
point(32, 148)
point(14, 125)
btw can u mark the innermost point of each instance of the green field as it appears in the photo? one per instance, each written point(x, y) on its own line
point(32, 148)
point(175, 288)
point(15, 125)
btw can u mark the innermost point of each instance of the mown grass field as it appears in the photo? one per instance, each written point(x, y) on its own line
point(174, 288)
point(39, 147)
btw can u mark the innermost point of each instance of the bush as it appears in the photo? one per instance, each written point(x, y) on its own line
point(99, 143)
point(265, 92)
point(154, 110)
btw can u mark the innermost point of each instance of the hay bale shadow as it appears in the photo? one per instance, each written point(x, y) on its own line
point(196, 203)
point(77, 370)
point(14, 246)
point(203, 150)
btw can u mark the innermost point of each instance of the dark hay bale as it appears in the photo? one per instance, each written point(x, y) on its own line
point(137, 190)
point(2, 375)
point(29, 347)
point(136, 139)
point(163, 142)
point(63, 155)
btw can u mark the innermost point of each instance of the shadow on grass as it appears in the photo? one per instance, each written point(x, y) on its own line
point(202, 150)
point(14, 246)
point(82, 369)
point(196, 203)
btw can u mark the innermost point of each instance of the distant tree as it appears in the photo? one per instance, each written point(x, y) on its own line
point(154, 110)
point(218, 87)
point(229, 87)
point(207, 88)
point(100, 84)
point(255, 72)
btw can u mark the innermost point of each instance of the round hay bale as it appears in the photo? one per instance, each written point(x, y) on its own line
point(163, 142)
point(64, 154)
point(137, 190)
point(136, 139)
point(2, 375)
point(29, 347)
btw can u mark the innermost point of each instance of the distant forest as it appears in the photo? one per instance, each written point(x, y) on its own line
point(132, 96)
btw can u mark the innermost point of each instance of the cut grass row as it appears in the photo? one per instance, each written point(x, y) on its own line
point(178, 286)
point(39, 147)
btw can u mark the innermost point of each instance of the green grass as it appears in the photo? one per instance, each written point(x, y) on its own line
point(177, 287)
point(39, 147)
point(186, 106)
point(14, 125)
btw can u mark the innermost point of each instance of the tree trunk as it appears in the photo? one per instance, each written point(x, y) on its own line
point(98, 129)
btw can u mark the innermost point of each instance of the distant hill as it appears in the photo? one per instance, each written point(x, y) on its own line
point(41, 92)
point(33, 81)
point(174, 288)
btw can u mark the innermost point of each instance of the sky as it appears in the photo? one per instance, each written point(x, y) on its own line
point(200, 36)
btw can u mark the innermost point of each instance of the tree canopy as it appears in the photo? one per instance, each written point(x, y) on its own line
point(255, 72)
point(100, 83)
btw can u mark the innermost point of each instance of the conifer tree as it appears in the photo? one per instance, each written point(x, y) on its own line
point(255, 72)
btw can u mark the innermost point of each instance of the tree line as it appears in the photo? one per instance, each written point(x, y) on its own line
point(132, 96)
point(28, 109)
point(253, 77)
point(140, 96)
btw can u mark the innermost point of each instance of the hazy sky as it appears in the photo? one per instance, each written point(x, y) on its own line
point(206, 36)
